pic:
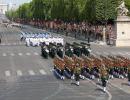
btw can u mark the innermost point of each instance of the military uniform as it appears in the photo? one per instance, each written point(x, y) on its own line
point(129, 75)
point(0, 40)
point(77, 51)
point(52, 52)
point(104, 77)
point(60, 52)
point(69, 52)
point(77, 72)
point(44, 52)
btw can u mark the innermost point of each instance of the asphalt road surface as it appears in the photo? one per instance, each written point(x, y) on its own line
point(25, 75)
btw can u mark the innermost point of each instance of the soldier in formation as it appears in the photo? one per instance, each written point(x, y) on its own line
point(77, 73)
point(104, 77)
point(129, 75)
point(78, 63)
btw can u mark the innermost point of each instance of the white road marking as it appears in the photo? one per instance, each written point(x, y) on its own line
point(35, 53)
point(109, 94)
point(93, 54)
point(19, 73)
point(14, 43)
point(4, 54)
point(2, 44)
point(113, 53)
point(106, 53)
point(8, 44)
point(28, 54)
point(20, 43)
point(128, 53)
point(20, 54)
point(12, 54)
point(7, 73)
point(98, 53)
point(31, 72)
point(118, 87)
point(42, 72)
point(120, 53)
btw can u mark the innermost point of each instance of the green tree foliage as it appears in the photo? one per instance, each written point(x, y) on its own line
point(88, 10)
point(12, 14)
point(71, 10)
point(128, 5)
point(24, 11)
point(37, 8)
point(106, 10)
point(58, 8)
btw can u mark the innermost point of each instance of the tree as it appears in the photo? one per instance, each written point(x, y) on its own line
point(88, 12)
point(12, 14)
point(57, 10)
point(68, 10)
point(127, 2)
point(71, 10)
point(105, 10)
point(37, 7)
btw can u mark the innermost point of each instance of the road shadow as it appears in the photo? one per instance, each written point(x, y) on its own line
point(125, 84)
point(74, 84)
point(99, 89)
point(99, 84)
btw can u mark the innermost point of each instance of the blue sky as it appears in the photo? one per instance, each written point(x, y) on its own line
point(17, 2)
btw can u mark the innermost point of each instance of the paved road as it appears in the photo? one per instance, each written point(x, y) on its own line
point(25, 75)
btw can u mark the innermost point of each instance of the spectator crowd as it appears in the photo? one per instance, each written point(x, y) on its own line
point(83, 30)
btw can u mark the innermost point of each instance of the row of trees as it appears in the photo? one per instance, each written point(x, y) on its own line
point(68, 10)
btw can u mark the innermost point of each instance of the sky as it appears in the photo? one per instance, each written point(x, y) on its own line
point(16, 2)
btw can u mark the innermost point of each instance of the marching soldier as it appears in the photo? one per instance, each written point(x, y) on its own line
point(69, 52)
point(60, 52)
point(111, 71)
point(0, 40)
point(104, 77)
point(129, 75)
point(52, 52)
point(44, 51)
point(77, 72)
point(86, 50)
point(59, 67)
point(77, 51)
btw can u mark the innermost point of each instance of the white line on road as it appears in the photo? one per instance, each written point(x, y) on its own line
point(4, 54)
point(122, 53)
point(113, 53)
point(19, 73)
point(109, 94)
point(42, 72)
point(28, 54)
point(14, 43)
point(128, 53)
point(8, 44)
point(35, 53)
point(106, 53)
point(12, 54)
point(98, 53)
point(93, 54)
point(7, 73)
point(3, 44)
point(116, 86)
point(31, 72)
point(20, 54)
